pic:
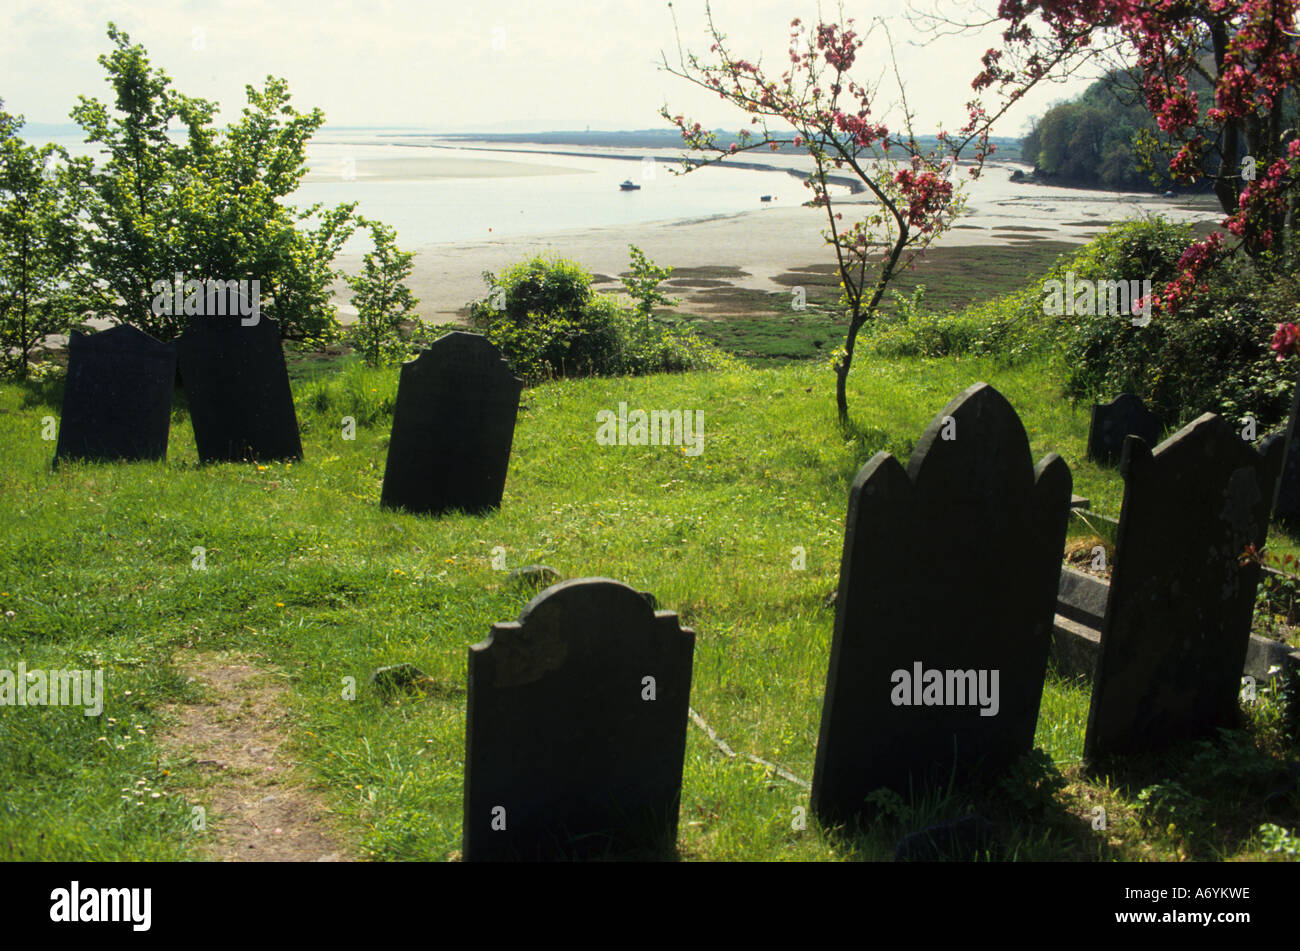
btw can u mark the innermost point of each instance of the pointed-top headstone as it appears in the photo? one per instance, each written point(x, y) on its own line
point(117, 402)
point(237, 389)
point(576, 727)
point(947, 592)
point(1112, 422)
point(452, 428)
point(1177, 624)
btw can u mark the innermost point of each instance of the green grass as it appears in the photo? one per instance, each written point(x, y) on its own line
point(305, 572)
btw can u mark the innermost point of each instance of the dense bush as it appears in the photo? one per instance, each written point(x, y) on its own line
point(1211, 357)
point(547, 321)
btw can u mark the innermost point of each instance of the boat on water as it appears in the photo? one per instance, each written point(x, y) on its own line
point(630, 186)
point(765, 198)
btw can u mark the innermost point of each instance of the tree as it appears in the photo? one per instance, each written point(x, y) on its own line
point(210, 208)
point(131, 199)
point(38, 244)
point(818, 107)
point(382, 301)
point(1245, 142)
point(643, 284)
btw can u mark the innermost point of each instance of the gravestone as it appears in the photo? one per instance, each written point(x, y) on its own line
point(576, 728)
point(1177, 624)
point(1076, 630)
point(1286, 508)
point(948, 584)
point(1111, 422)
point(452, 428)
point(117, 402)
point(237, 389)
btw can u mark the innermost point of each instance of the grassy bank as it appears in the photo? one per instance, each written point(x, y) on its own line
point(305, 574)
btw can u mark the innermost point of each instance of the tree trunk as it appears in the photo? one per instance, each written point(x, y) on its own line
point(842, 369)
point(841, 393)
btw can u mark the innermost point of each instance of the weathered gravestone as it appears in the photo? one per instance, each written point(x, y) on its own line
point(117, 402)
point(576, 728)
point(1286, 508)
point(452, 428)
point(1076, 630)
point(947, 592)
point(237, 389)
point(1112, 422)
point(1177, 624)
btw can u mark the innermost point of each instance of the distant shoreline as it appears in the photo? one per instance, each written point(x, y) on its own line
point(763, 243)
point(852, 183)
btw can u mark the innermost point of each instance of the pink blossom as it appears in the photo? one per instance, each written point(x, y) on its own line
point(1286, 341)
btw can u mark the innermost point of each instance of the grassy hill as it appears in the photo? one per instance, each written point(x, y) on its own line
point(307, 578)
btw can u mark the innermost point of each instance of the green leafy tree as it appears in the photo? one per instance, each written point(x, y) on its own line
point(38, 244)
point(382, 301)
point(208, 208)
point(643, 284)
point(132, 197)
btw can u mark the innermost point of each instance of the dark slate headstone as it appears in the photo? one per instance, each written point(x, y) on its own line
point(452, 428)
point(117, 402)
point(1111, 422)
point(565, 757)
point(1286, 509)
point(949, 566)
point(1173, 642)
point(237, 388)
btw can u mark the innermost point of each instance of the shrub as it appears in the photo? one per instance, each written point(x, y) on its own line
point(1213, 356)
point(544, 317)
point(542, 285)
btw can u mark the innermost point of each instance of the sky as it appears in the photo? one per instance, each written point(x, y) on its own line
point(481, 65)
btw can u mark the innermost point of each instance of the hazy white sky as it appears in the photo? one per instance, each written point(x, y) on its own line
point(477, 64)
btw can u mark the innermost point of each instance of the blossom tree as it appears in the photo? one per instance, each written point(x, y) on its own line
point(1244, 141)
point(818, 107)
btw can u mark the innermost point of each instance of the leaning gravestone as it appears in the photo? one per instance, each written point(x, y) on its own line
point(117, 402)
point(1177, 624)
point(237, 388)
point(1112, 422)
point(947, 592)
point(452, 428)
point(576, 728)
